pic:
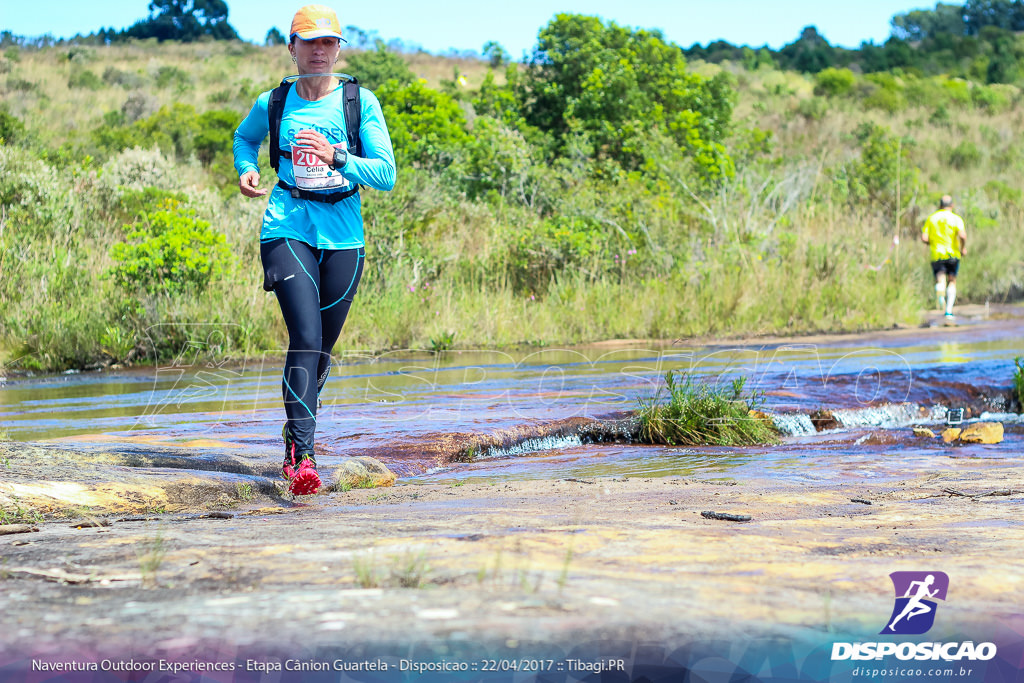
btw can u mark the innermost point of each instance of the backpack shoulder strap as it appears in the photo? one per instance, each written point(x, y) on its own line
point(275, 110)
point(353, 116)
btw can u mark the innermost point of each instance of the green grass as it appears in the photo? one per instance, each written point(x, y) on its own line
point(1018, 382)
point(409, 570)
point(245, 491)
point(444, 341)
point(151, 556)
point(366, 570)
point(563, 577)
point(697, 414)
point(777, 250)
point(20, 515)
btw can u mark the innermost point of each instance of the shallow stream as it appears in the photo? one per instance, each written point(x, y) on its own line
point(397, 406)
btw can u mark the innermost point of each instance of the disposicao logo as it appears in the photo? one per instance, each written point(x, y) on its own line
point(914, 614)
point(916, 593)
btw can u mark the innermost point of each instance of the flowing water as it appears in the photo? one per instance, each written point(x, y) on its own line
point(413, 410)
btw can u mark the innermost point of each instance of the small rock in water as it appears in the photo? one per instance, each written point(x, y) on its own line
point(824, 419)
point(363, 472)
point(983, 432)
point(950, 435)
point(924, 431)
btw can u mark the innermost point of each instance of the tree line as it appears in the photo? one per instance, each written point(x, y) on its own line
point(976, 40)
point(183, 20)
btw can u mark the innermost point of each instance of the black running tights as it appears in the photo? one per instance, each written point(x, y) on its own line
point(315, 288)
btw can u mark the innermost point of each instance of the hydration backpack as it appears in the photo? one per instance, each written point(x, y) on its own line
point(353, 118)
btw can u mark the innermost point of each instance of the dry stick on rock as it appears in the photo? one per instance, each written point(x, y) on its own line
point(998, 492)
point(725, 516)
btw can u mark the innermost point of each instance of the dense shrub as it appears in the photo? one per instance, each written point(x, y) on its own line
point(884, 164)
point(85, 79)
point(428, 127)
point(833, 82)
point(216, 134)
point(613, 84)
point(11, 128)
point(964, 155)
point(169, 252)
point(374, 68)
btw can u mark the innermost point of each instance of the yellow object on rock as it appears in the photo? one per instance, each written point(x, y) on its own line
point(983, 432)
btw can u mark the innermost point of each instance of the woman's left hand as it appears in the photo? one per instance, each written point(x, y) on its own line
point(316, 144)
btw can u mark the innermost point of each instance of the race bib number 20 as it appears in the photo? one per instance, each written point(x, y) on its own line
point(311, 173)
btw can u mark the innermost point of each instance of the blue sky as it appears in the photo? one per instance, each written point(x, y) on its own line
point(468, 24)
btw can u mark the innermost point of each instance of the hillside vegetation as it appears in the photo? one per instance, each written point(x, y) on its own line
point(607, 188)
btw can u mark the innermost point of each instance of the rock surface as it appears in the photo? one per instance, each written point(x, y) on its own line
point(983, 432)
point(362, 473)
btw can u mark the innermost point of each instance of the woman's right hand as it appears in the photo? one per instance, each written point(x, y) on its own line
point(248, 183)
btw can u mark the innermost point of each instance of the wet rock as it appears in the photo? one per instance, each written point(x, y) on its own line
point(760, 415)
point(951, 434)
point(878, 439)
point(824, 419)
point(362, 472)
point(983, 432)
point(924, 431)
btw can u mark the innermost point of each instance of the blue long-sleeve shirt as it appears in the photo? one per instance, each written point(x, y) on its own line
point(321, 225)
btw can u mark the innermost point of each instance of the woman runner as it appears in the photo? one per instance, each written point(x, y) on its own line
point(311, 242)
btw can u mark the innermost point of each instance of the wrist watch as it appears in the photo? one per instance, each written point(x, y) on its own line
point(340, 159)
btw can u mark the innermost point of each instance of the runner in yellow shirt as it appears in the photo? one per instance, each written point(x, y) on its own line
point(944, 233)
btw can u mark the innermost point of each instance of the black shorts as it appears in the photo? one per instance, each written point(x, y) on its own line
point(949, 266)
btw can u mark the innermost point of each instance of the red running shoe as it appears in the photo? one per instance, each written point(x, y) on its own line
point(304, 480)
point(299, 468)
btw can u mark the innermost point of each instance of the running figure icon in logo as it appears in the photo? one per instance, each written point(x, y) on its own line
point(914, 612)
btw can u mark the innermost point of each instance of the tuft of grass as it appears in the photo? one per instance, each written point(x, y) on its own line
point(245, 491)
point(151, 555)
point(409, 570)
point(445, 341)
point(366, 570)
point(117, 343)
point(496, 572)
point(697, 414)
point(351, 482)
point(20, 515)
point(563, 577)
point(1018, 382)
